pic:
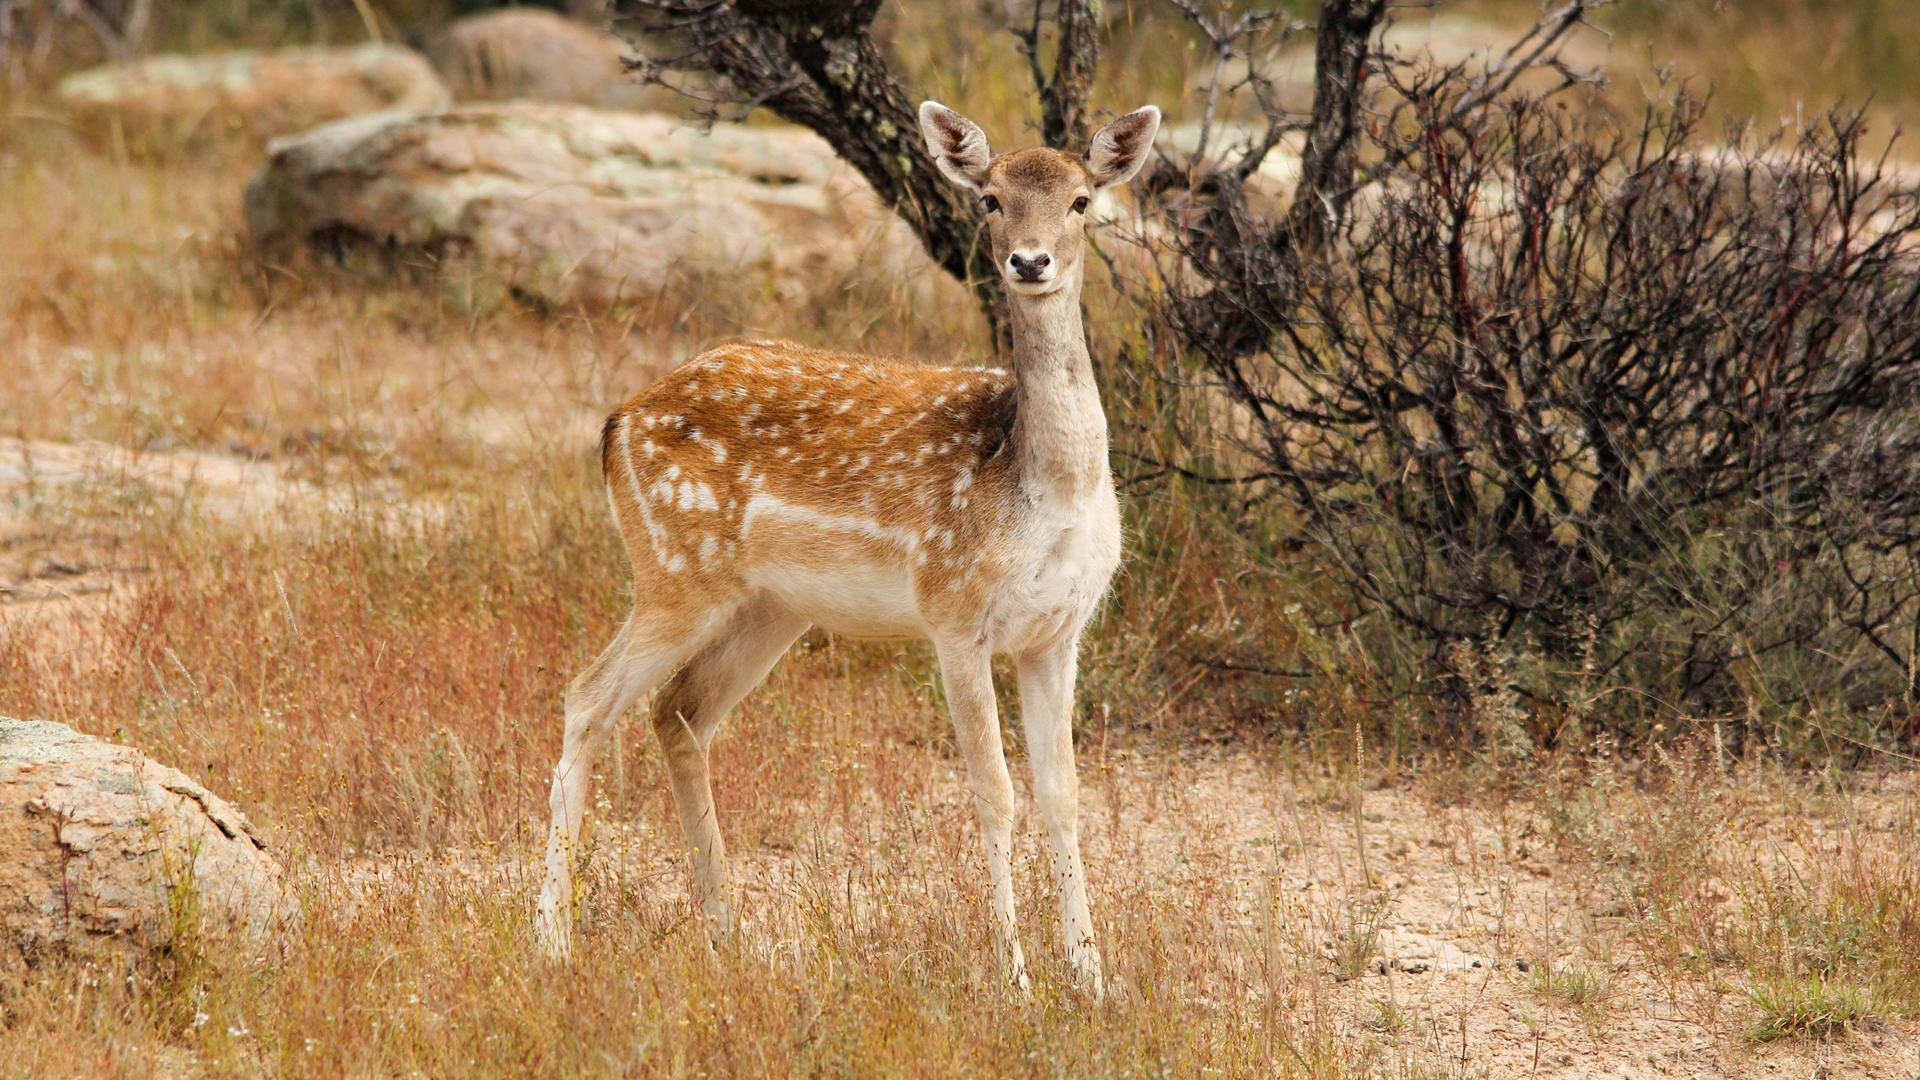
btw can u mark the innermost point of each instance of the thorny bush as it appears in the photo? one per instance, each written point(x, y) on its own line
point(1606, 396)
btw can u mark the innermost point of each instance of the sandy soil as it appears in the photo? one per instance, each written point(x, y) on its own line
point(1467, 904)
point(67, 511)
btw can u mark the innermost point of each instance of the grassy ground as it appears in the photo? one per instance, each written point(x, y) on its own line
point(335, 549)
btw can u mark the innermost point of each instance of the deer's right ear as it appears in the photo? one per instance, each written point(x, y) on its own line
point(957, 144)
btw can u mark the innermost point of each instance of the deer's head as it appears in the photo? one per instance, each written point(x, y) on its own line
point(1036, 199)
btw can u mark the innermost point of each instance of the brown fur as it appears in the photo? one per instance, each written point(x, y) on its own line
point(1038, 168)
point(907, 446)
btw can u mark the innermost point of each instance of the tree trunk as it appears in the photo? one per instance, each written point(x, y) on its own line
point(1064, 115)
point(1341, 49)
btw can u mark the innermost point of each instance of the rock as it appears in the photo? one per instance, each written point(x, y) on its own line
point(574, 204)
point(171, 102)
point(1417, 953)
point(539, 55)
point(105, 852)
point(1270, 188)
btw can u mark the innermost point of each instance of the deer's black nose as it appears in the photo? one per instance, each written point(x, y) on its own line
point(1029, 267)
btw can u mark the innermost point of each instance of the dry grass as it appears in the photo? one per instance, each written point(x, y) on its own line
point(337, 548)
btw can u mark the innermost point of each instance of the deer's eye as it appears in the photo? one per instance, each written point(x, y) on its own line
point(1080, 205)
point(992, 204)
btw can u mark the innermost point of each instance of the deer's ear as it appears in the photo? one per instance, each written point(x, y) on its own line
point(957, 144)
point(1120, 148)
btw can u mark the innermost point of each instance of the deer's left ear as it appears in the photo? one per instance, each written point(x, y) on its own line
point(1120, 148)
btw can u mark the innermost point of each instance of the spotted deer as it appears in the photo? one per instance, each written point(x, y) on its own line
point(766, 487)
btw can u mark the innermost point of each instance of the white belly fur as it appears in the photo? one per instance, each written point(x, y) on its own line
point(853, 576)
point(845, 573)
point(859, 600)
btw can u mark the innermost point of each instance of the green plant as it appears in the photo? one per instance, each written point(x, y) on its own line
point(1358, 940)
point(1795, 1007)
point(1578, 985)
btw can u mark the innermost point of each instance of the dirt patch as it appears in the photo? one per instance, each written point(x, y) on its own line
point(1478, 950)
point(77, 520)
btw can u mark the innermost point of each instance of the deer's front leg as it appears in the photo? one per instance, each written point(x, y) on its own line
point(966, 671)
point(1046, 708)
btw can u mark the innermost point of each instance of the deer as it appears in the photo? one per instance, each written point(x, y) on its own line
point(763, 488)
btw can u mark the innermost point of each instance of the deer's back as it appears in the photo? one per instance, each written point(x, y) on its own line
point(869, 493)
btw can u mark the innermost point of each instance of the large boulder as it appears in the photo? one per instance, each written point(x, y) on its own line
point(575, 204)
point(105, 852)
point(172, 102)
point(532, 54)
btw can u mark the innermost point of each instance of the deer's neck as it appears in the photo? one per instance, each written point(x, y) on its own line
point(1059, 435)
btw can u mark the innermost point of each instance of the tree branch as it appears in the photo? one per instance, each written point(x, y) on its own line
point(815, 63)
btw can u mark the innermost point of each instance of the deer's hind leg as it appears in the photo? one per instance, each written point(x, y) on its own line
point(687, 714)
point(648, 647)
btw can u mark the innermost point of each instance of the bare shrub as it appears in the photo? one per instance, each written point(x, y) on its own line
point(1633, 401)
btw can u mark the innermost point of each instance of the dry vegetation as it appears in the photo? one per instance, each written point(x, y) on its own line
point(336, 548)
